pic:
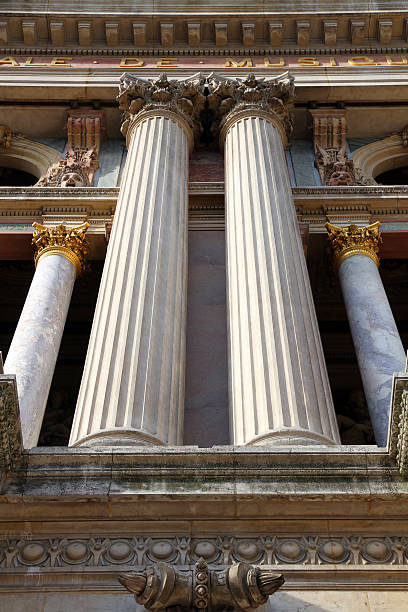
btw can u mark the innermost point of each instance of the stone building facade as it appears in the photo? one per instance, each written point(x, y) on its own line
point(204, 314)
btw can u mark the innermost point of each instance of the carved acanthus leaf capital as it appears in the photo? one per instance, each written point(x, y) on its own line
point(69, 242)
point(240, 587)
point(354, 240)
point(183, 97)
point(229, 98)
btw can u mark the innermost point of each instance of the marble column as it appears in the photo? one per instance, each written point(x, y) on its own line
point(279, 391)
point(132, 390)
point(34, 349)
point(376, 339)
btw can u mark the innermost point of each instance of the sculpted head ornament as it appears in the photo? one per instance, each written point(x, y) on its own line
point(240, 587)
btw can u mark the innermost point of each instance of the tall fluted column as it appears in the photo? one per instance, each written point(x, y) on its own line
point(376, 339)
point(132, 390)
point(34, 349)
point(279, 391)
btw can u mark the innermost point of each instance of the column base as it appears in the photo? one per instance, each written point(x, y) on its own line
point(119, 437)
point(291, 437)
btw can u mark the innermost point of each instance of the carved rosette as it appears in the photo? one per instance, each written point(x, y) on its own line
point(240, 587)
point(69, 242)
point(232, 99)
point(182, 99)
point(354, 240)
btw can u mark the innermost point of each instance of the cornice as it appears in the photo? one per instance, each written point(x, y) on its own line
point(189, 25)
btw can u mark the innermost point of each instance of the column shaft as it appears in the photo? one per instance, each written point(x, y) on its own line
point(34, 349)
point(132, 390)
point(279, 388)
point(376, 339)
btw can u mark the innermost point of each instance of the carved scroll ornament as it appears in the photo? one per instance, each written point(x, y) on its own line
point(240, 587)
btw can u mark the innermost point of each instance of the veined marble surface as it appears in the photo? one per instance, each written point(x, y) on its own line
point(375, 335)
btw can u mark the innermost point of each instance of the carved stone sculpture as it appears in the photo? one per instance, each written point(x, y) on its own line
point(183, 97)
point(334, 167)
point(76, 170)
point(268, 95)
point(240, 587)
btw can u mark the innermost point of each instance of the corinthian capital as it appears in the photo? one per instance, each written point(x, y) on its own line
point(232, 98)
point(69, 242)
point(184, 98)
point(354, 240)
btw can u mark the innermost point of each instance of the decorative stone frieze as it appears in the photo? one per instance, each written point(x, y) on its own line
point(354, 240)
point(266, 551)
point(69, 242)
point(11, 443)
point(271, 98)
point(240, 587)
point(183, 98)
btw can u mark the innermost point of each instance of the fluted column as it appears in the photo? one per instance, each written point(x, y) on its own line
point(34, 349)
point(279, 391)
point(132, 390)
point(376, 339)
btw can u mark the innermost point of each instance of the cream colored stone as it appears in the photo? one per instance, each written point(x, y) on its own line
point(279, 388)
point(139, 326)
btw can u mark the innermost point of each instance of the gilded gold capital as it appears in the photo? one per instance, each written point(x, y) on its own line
point(354, 240)
point(69, 242)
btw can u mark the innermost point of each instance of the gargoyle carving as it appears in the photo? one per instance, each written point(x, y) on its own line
point(241, 587)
